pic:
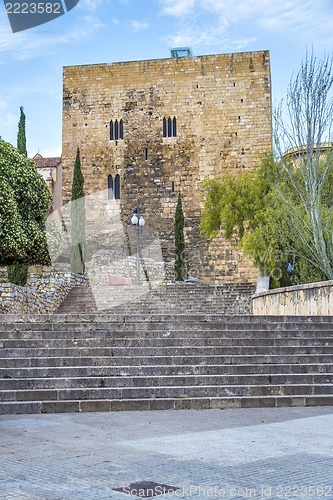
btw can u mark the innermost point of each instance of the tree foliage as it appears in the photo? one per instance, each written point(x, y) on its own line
point(179, 240)
point(305, 131)
point(282, 212)
point(18, 273)
point(78, 232)
point(24, 202)
point(252, 207)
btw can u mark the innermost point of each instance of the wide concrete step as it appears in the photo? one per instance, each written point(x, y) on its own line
point(162, 360)
point(83, 362)
point(103, 371)
point(49, 320)
point(195, 403)
point(162, 326)
point(235, 298)
point(160, 351)
point(166, 380)
point(172, 391)
point(166, 341)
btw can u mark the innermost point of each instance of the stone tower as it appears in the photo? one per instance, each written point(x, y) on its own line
point(149, 129)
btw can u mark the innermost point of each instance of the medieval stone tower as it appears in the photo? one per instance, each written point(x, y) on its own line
point(149, 129)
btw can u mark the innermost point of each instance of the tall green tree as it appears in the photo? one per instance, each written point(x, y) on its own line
point(78, 219)
point(18, 273)
point(24, 203)
point(179, 241)
point(21, 136)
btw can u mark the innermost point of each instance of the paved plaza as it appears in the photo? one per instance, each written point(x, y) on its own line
point(247, 453)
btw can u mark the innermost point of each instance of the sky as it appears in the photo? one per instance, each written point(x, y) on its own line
point(105, 31)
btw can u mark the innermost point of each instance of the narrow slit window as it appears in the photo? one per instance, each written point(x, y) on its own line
point(110, 187)
point(117, 187)
point(121, 129)
point(116, 130)
point(169, 127)
point(146, 153)
point(174, 126)
point(172, 187)
point(164, 127)
point(111, 131)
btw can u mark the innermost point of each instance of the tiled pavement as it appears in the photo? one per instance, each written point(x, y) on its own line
point(248, 453)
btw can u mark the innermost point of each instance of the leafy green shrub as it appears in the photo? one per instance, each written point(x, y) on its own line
point(18, 274)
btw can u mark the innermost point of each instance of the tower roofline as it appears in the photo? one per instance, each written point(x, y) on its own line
point(180, 60)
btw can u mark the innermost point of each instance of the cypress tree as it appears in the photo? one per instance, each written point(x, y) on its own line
point(78, 232)
point(18, 273)
point(21, 137)
point(179, 240)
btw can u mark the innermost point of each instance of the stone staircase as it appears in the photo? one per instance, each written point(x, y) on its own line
point(106, 362)
point(228, 298)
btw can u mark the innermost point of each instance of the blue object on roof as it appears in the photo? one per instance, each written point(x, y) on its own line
point(181, 52)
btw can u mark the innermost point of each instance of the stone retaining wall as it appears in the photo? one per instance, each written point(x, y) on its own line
point(41, 295)
point(313, 299)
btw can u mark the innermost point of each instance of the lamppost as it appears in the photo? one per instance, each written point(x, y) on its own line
point(138, 221)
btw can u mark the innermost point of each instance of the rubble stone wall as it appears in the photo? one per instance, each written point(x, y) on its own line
point(41, 295)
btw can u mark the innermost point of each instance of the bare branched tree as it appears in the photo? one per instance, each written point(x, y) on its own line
point(303, 145)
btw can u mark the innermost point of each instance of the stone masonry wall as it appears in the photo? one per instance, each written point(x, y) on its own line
point(40, 295)
point(222, 104)
point(314, 299)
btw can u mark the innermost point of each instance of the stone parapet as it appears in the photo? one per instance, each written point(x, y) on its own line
point(41, 295)
point(314, 299)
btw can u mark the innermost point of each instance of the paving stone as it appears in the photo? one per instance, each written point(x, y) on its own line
point(237, 453)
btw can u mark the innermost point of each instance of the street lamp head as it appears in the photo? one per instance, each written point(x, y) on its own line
point(134, 220)
point(141, 221)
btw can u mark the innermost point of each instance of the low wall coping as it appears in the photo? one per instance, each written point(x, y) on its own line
point(295, 288)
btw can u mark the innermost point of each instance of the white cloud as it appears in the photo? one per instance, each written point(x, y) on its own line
point(27, 45)
point(91, 5)
point(303, 18)
point(194, 36)
point(139, 25)
point(177, 7)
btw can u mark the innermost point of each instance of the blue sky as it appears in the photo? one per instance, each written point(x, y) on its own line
point(98, 31)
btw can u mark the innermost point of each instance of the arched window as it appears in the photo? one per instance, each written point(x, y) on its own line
point(116, 130)
point(110, 187)
point(117, 187)
point(169, 127)
point(174, 127)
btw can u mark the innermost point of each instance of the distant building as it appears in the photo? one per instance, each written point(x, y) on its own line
point(299, 153)
point(51, 171)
